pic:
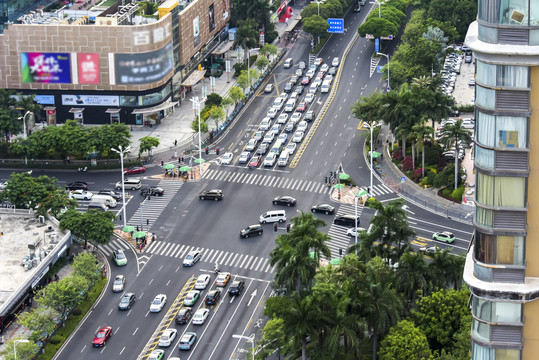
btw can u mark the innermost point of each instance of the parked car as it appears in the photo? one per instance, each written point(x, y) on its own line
point(81, 195)
point(77, 185)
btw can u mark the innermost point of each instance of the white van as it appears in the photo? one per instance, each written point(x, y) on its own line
point(290, 105)
point(129, 184)
point(105, 199)
point(283, 158)
point(288, 63)
point(273, 216)
point(326, 85)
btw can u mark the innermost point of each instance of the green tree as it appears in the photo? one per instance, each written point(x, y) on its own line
point(243, 81)
point(103, 138)
point(69, 139)
point(378, 27)
point(213, 99)
point(445, 269)
point(274, 336)
point(226, 103)
point(41, 321)
point(247, 35)
point(301, 321)
point(87, 266)
point(25, 350)
point(9, 123)
point(423, 134)
point(55, 202)
point(315, 25)
point(94, 226)
point(269, 50)
point(454, 135)
point(411, 276)
point(63, 295)
point(236, 94)
point(405, 342)
point(27, 103)
point(203, 126)
point(147, 143)
point(261, 63)
point(217, 114)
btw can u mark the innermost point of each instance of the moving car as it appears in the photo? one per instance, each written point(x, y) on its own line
point(222, 279)
point(290, 126)
point(192, 258)
point(187, 341)
point(310, 74)
point(275, 129)
point(77, 185)
point(212, 297)
point(332, 70)
point(152, 191)
point(135, 170)
point(323, 209)
point(269, 137)
point(251, 230)
point(335, 62)
point(119, 283)
point(352, 231)
point(157, 355)
point(202, 281)
point(214, 194)
point(429, 249)
point(305, 81)
point(302, 126)
point(109, 192)
point(309, 98)
point(301, 65)
point(102, 336)
point(284, 200)
point(183, 316)
point(200, 316)
point(291, 147)
point(168, 337)
point(227, 158)
point(299, 89)
point(298, 136)
point(259, 135)
point(268, 88)
point(347, 220)
point(288, 87)
point(244, 157)
point(119, 257)
point(255, 161)
point(299, 72)
point(270, 159)
point(158, 302)
point(444, 236)
point(191, 298)
point(127, 300)
point(294, 79)
point(272, 113)
point(324, 68)
point(282, 137)
point(81, 195)
point(236, 288)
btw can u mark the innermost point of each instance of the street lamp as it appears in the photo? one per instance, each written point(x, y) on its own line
point(122, 153)
point(371, 127)
point(251, 339)
point(196, 107)
point(249, 64)
point(318, 3)
point(379, 3)
point(387, 57)
point(23, 118)
point(15, 346)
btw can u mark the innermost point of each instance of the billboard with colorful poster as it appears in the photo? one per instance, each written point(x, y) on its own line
point(88, 67)
point(91, 100)
point(196, 31)
point(45, 68)
point(143, 68)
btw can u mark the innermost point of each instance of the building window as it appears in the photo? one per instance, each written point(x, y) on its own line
point(485, 98)
point(514, 12)
point(502, 75)
point(128, 100)
point(499, 249)
point(484, 158)
point(501, 131)
point(484, 353)
point(501, 191)
point(496, 311)
point(483, 217)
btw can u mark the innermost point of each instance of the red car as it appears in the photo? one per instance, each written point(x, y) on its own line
point(102, 336)
point(306, 80)
point(302, 107)
point(135, 170)
point(255, 161)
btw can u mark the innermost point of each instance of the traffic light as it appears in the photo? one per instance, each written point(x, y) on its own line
point(331, 174)
point(207, 150)
point(275, 227)
point(340, 252)
point(217, 151)
point(325, 180)
point(162, 163)
point(287, 228)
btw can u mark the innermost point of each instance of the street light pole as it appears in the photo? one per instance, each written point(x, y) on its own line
point(249, 65)
point(23, 118)
point(122, 153)
point(318, 3)
point(387, 57)
point(355, 203)
point(371, 127)
point(15, 346)
point(251, 339)
point(196, 106)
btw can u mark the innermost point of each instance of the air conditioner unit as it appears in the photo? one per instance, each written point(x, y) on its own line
point(41, 219)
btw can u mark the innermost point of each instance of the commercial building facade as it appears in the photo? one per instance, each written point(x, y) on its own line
point(501, 268)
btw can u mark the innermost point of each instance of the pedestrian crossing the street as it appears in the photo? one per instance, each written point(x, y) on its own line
point(150, 210)
point(114, 244)
point(339, 238)
point(212, 256)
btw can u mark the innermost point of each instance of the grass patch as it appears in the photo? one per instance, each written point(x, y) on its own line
point(72, 321)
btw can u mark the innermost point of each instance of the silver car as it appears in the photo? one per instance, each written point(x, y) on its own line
point(251, 145)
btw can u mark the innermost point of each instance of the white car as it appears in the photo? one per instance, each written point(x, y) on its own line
point(291, 147)
point(290, 126)
point(251, 145)
point(299, 72)
point(324, 68)
point(275, 129)
point(168, 337)
point(258, 135)
point(157, 354)
point(158, 303)
point(302, 126)
point(298, 136)
point(264, 124)
point(283, 96)
point(335, 62)
point(202, 281)
point(191, 258)
point(310, 73)
point(294, 96)
point(314, 87)
point(200, 316)
point(468, 125)
point(301, 65)
point(244, 157)
point(81, 195)
point(296, 117)
point(309, 98)
point(272, 113)
point(270, 159)
point(227, 158)
point(282, 118)
point(328, 77)
point(318, 61)
point(352, 232)
point(268, 138)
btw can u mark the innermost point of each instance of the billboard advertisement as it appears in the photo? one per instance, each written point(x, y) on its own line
point(211, 16)
point(45, 68)
point(143, 68)
point(196, 31)
point(88, 66)
point(91, 100)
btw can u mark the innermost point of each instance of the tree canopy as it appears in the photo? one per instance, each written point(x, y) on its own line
point(405, 342)
point(93, 225)
point(147, 143)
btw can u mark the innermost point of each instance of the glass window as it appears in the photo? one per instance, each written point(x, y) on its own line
point(483, 353)
point(534, 13)
point(486, 129)
point(485, 97)
point(511, 132)
point(484, 158)
point(480, 330)
point(483, 216)
point(534, 37)
point(509, 75)
point(502, 191)
point(486, 73)
point(498, 249)
point(488, 34)
point(488, 10)
point(514, 12)
point(497, 311)
point(129, 100)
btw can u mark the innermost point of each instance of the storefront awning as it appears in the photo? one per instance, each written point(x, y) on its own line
point(194, 78)
point(293, 24)
point(154, 109)
point(223, 48)
point(76, 110)
point(112, 111)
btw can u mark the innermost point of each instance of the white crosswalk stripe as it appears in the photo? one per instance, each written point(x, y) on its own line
point(114, 244)
point(150, 210)
point(339, 239)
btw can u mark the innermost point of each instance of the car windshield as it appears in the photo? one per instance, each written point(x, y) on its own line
point(164, 337)
point(118, 282)
point(124, 300)
point(101, 335)
point(120, 256)
point(189, 257)
point(156, 301)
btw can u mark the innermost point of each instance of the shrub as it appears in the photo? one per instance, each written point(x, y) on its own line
point(445, 177)
point(56, 339)
point(429, 178)
point(457, 193)
point(238, 68)
point(433, 152)
point(213, 99)
point(417, 174)
point(76, 311)
point(397, 155)
point(407, 164)
point(446, 192)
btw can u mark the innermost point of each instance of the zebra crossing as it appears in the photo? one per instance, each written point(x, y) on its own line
point(339, 238)
point(114, 244)
point(379, 189)
point(150, 210)
point(221, 257)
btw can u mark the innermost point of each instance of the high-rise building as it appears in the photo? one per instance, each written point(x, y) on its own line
point(502, 265)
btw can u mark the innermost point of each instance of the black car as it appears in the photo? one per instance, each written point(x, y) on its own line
point(323, 209)
point(77, 185)
point(251, 230)
point(212, 297)
point(214, 194)
point(284, 200)
point(347, 220)
point(127, 300)
point(110, 192)
point(183, 316)
point(152, 191)
point(288, 87)
point(309, 116)
point(299, 89)
point(236, 288)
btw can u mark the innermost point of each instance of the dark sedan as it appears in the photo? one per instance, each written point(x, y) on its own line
point(77, 185)
point(135, 170)
point(127, 300)
point(251, 230)
point(284, 200)
point(212, 297)
point(183, 316)
point(323, 209)
point(152, 191)
point(236, 288)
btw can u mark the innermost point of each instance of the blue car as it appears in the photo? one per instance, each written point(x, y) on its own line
point(187, 341)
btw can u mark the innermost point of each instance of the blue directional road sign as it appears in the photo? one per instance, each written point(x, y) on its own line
point(336, 26)
point(379, 69)
point(403, 179)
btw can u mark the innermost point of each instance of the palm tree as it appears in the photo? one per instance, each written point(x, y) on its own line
point(306, 235)
point(399, 110)
point(423, 134)
point(247, 35)
point(303, 318)
point(445, 270)
point(454, 134)
point(411, 275)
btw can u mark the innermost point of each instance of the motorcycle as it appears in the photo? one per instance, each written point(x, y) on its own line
point(216, 269)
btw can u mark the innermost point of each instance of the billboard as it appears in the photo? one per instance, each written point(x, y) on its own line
point(211, 14)
point(143, 68)
point(45, 68)
point(91, 100)
point(88, 66)
point(196, 31)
